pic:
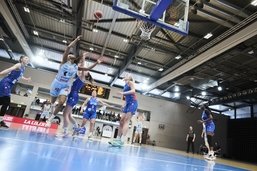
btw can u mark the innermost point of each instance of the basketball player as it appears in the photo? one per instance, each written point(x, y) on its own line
point(46, 107)
point(73, 96)
point(90, 113)
point(139, 128)
point(207, 120)
point(129, 109)
point(60, 86)
point(14, 74)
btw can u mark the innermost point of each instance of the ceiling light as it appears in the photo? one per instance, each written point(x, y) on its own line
point(187, 97)
point(91, 48)
point(178, 57)
point(139, 63)
point(176, 89)
point(62, 20)
point(35, 32)
point(208, 35)
point(254, 3)
point(1, 39)
point(219, 88)
point(204, 93)
point(26, 9)
point(116, 56)
point(160, 69)
point(176, 95)
point(64, 41)
point(176, 24)
point(251, 52)
point(95, 30)
point(125, 40)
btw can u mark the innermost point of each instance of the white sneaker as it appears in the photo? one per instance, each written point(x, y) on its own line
point(90, 135)
point(210, 157)
point(62, 135)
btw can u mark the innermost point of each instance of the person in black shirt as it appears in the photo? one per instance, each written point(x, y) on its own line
point(190, 139)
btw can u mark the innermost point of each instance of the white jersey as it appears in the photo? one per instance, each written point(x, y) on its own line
point(46, 111)
point(139, 127)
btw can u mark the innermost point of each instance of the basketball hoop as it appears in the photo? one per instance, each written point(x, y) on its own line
point(146, 30)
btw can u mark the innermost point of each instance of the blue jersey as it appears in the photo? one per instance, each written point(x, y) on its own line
point(66, 72)
point(77, 85)
point(129, 97)
point(91, 105)
point(206, 115)
point(7, 82)
point(14, 75)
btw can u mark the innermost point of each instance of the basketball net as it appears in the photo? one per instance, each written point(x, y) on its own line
point(146, 30)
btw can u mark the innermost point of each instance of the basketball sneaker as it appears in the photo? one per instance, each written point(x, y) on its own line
point(90, 135)
point(82, 130)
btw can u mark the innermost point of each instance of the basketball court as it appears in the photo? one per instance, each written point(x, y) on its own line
point(38, 151)
point(185, 58)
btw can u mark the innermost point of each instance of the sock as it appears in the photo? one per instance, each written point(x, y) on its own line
point(75, 125)
point(122, 138)
point(65, 130)
point(52, 108)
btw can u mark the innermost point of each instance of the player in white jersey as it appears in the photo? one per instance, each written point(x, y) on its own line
point(46, 108)
point(60, 87)
point(139, 128)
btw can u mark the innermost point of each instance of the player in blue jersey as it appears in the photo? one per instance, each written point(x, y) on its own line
point(73, 96)
point(60, 86)
point(209, 126)
point(13, 74)
point(90, 113)
point(129, 109)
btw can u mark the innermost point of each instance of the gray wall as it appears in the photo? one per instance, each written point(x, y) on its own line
point(176, 117)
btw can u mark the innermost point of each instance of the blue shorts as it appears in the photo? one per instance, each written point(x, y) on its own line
point(5, 88)
point(131, 107)
point(73, 98)
point(210, 127)
point(89, 116)
point(59, 88)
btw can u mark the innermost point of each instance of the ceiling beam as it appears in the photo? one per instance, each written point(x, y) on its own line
point(78, 8)
point(45, 9)
point(230, 42)
point(167, 35)
point(10, 20)
point(7, 48)
point(134, 51)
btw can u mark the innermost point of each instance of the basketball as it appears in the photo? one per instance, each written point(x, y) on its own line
point(98, 14)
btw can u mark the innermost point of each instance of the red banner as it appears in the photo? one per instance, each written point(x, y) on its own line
point(29, 124)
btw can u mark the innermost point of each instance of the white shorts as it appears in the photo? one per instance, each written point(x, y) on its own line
point(44, 115)
point(139, 131)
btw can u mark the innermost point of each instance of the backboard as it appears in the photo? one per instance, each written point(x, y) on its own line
point(168, 14)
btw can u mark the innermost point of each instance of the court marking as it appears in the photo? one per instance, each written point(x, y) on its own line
point(119, 154)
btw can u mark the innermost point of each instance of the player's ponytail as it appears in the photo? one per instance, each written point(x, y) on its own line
point(21, 57)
